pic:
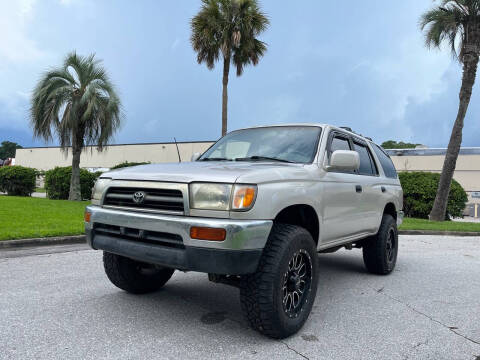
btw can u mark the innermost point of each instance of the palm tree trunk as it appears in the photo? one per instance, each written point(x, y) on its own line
point(75, 191)
point(439, 209)
point(226, 70)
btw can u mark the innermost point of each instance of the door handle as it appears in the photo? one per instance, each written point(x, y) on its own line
point(358, 188)
point(383, 189)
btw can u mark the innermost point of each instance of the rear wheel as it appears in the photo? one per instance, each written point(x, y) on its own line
point(134, 276)
point(278, 298)
point(380, 251)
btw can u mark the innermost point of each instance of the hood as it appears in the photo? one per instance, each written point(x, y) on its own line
point(210, 171)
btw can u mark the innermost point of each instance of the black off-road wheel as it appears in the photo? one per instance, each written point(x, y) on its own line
point(278, 298)
point(134, 276)
point(380, 251)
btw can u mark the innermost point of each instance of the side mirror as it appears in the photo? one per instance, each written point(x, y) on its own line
point(195, 156)
point(344, 160)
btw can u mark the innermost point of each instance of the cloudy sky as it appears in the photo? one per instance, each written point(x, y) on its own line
point(353, 63)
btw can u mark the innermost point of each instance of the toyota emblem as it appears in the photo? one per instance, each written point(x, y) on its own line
point(138, 197)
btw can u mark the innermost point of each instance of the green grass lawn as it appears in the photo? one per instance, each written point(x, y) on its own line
point(422, 224)
point(26, 217)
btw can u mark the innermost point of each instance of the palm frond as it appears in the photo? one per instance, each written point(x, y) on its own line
point(230, 28)
point(449, 23)
point(77, 102)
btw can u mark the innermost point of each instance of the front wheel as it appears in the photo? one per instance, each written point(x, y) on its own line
point(134, 276)
point(380, 251)
point(278, 298)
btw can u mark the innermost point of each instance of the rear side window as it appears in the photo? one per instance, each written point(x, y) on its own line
point(385, 161)
point(367, 165)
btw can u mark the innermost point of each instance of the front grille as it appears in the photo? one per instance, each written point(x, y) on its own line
point(155, 199)
point(145, 236)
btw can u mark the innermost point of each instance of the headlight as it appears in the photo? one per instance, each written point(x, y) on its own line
point(210, 196)
point(98, 189)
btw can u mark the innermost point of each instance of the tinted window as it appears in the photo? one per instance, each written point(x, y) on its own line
point(367, 166)
point(339, 143)
point(386, 162)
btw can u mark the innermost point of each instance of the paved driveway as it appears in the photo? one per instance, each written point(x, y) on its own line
point(60, 305)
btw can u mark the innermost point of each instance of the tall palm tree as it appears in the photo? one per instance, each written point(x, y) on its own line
point(229, 27)
point(457, 23)
point(78, 103)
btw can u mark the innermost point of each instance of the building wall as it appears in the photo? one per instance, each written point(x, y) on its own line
point(49, 157)
point(467, 171)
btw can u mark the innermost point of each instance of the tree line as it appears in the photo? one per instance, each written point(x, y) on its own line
point(8, 149)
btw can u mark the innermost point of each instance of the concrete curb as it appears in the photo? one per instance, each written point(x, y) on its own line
point(80, 239)
point(57, 240)
point(440, 233)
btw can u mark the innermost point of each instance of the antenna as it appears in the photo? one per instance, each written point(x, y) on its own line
point(178, 151)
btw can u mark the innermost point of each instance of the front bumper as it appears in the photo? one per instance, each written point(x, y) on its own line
point(165, 240)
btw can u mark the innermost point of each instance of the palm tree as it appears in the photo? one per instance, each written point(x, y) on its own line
point(457, 23)
point(78, 103)
point(229, 27)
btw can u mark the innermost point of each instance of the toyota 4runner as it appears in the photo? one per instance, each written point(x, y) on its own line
point(253, 211)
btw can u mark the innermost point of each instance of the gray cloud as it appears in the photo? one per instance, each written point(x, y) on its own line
point(359, 64)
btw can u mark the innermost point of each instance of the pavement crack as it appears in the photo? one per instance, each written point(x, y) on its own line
point(187, 300)
point(295, 351)
point(453, 329)
point(422, 343)
point(415, 347)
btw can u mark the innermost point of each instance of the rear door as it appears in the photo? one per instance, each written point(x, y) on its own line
point(369, 206)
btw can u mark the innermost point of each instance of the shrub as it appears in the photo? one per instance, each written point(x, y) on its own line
point(128, 164)
point(57, 183)
point(419, 190)
point(17, 180)
point(97, 174)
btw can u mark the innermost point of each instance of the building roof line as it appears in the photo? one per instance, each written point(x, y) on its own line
point(131, 144)
point(431, 151)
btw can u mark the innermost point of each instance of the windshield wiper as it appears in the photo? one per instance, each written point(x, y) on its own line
point(215, 159)
point(258, 157)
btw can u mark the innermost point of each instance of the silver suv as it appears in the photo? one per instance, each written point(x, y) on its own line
point(253, 211)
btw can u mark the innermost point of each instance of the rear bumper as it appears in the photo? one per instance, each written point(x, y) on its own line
point(165, 240)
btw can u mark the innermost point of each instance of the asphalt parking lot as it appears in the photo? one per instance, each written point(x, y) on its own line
point(56, 303)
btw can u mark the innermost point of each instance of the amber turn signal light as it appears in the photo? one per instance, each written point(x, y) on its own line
point(87, 216)
point(243, 197)
point(204, 233)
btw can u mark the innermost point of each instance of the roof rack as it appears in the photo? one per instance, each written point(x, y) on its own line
point(350, 129)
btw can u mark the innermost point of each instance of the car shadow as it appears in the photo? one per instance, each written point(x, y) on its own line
point(343, 262)
point(190, 297)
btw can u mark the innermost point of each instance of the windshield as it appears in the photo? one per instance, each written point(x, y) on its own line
point(296, 144)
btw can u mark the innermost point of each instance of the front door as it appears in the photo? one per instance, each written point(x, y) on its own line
point(341, 196)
